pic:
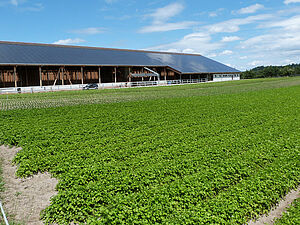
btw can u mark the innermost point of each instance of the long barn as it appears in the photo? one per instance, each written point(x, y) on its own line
point(31, 64)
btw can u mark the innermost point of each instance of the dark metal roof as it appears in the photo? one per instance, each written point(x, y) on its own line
point(14, 53)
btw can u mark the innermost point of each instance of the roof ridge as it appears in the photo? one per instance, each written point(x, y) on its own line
point(89, 47)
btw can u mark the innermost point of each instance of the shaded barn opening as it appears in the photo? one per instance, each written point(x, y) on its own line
point(26, 76)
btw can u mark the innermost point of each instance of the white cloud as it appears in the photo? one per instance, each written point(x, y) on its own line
point(276, 43)
point(226, 52)
point(230, 38)
point(165, 13)
point(89, 31)
point(160, 17)
point(188, 50)
point(228, 64)
point(274, 39)
point(23, 5)
point(233, 25)
point(288, 61)
point(167, 27)
point(292, 23)
point(283, 38)
point(250, 9)
point(33, 8)
point(279, 46)
point(215, 13)
point(110, 1)
point(14, 2)
point(199, 42)
point(212, 55)
point(291, 1)
point(69, 41)
point(255, 63)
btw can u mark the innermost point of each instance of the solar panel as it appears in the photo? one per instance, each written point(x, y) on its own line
point(40, 54)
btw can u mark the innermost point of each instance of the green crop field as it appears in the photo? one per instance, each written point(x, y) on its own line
point(218, 153)
point(292, 216)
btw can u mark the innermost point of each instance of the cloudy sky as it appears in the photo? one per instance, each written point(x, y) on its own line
point(243, 33)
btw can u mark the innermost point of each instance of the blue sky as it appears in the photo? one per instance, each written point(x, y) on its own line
point(243, 34)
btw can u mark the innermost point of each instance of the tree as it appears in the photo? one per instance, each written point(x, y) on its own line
point(271, 71)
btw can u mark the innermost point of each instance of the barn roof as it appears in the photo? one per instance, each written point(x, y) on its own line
point(15, 53)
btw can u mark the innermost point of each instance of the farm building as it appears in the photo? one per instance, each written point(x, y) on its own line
point(30, 64)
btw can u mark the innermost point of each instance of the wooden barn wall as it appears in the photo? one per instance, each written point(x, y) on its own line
point(7, 77)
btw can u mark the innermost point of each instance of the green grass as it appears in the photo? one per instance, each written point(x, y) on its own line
point(66, 98)
point(196, 154)
point(292, 216)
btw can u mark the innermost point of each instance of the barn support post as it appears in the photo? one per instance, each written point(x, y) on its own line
point(99, 74)
point(81, 75)
point(3, 74)
point(180, 78)
point(26, 75)
point(158, 77)
point(40, 75)
point(2, 77)
point(15, 76)
point(57, 77)
point(115, 74)
point(48, 77)
point(69, 76)
point(165, 71)
point(62, 71)
point(129, 74)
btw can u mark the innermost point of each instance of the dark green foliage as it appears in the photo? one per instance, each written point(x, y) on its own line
point(272, 71)
point(292, 216)
point(218, 159)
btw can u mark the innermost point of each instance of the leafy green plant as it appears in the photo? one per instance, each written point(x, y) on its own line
point(292, 216)
point(218, 158)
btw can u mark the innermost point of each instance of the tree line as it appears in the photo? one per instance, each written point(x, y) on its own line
point(272, 71)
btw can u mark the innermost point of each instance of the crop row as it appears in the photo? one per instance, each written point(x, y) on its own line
point(69, 98)
point(220, 159)
point(292, 216)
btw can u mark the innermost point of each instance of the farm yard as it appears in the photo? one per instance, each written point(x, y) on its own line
point(213, 153)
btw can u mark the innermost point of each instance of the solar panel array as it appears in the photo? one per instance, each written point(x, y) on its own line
point(39, 54)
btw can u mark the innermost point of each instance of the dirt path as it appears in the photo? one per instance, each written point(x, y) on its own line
point(277, 212)
point(23, 199)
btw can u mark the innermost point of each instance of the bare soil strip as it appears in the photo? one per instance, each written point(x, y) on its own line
point(277, 212)
point(23, 199)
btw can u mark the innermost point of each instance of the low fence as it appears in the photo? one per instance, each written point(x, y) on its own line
point(35, 89)
point(165, 82)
